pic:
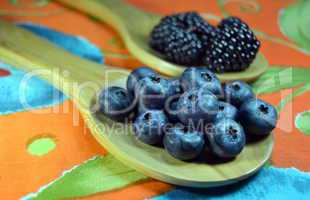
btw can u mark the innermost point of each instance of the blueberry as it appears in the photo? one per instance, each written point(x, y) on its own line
point(258, 117)
point(201, 77)
point(183, 144)
point(137, 75)
point(171, 109)
point(116, 103)
point(226, 138)
point(238, 92)
point(226, 110)
point(152, 91)
point(173, 93)
point(175, 87)
point(142, 108)
point(149, 126)
point(197, 106)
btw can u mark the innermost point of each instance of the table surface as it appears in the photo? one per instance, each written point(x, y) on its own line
point(67, 145)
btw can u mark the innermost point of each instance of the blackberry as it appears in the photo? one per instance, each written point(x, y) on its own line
point(234, 47)
point(182, 38)
point(248, 41)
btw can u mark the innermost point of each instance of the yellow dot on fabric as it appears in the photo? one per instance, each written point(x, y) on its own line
point(41, 145)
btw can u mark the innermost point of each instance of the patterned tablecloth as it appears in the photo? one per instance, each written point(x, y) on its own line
point(47, 152)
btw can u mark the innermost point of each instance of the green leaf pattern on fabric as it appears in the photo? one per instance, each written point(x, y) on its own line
point(304, 24)
point(294, 23)
point(292, 95)
point(278, 78)
point(95, 175)
point(37, 2)
point(13, 1)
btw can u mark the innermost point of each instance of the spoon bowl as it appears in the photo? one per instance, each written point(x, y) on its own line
point(135, 25)
point(82, 82)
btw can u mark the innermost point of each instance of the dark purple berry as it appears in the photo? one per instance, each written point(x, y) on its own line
point(258, 117)
point(149, 126)
point(116, 103)
point(182, 37)
point(184, 144)
point(226, 138)
point(233, 48)
point(238, 92)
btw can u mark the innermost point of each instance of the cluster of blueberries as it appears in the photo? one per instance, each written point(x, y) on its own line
point(189, 114)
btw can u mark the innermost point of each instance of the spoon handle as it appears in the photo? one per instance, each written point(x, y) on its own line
point(78, 78)
point(116, 13)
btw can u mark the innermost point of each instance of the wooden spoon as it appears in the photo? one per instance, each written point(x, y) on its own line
point(81, 80)
point(135, 26)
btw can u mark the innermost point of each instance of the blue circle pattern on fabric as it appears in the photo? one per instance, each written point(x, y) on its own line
point(17, 95)
point(269, 183)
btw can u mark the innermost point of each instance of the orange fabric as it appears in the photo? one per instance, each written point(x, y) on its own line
point(30, 173)
point(74, 142)
point(291, 146)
